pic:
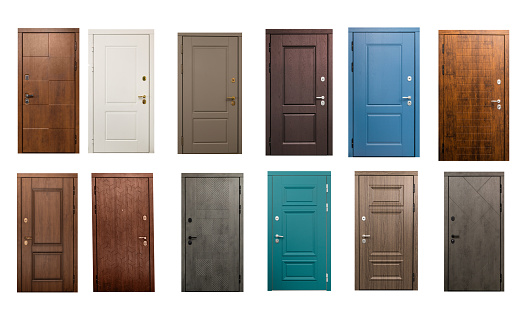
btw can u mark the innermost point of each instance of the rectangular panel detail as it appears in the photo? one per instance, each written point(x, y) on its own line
point(47, 216)
point(383, 270)
point(387, 232)
point(209, 71)
point(120, 125)
point(299, 73)
point(47, 266)
point(210, 130)
point(299, 127)
point(384, 128)
point(384, 74)
point(36, 44)
point(299, 270)
point(386, 195)
point(120, 71)
point(61, 92)
point(299, 232)
point(299, 195)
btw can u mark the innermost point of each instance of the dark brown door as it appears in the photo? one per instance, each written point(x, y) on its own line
point(47, 232)
point(474, 231)
point(123, 232)
point(474, 95)
point(48, 89)
point(299, 92)
point(386, 230)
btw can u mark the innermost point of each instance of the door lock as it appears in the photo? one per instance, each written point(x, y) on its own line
point(277, 218)
point(409, 78)
point(232, 99)
point(363, 241)
point(277, 241)
point(363, 218)
point(144, 240)
point(499, 106)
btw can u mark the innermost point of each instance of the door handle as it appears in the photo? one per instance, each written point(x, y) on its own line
point(192, 237)
point(231, 98)
point(142, 237)
point(29, 95)
point(28, 238)
point(496, 101)
point(320, 97)
point(454, 236)
point(278, 236)
point(406, 97)
point(365, 236)
point(142, 96)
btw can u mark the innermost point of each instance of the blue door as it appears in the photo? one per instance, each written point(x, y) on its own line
point(299, 231)
point(385, 93)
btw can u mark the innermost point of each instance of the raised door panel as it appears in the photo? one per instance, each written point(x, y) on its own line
point(121, 94)
point(210, 98)
point(212, 234)
point(384, 118)
point(123, 234)
point(386, 236)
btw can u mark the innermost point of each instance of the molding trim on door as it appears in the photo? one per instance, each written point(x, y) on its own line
point(150, 100)
point(416, 31)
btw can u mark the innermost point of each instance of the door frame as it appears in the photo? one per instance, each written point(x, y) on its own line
point(501, 175)
point(441, 117)
point(201, 175)
point(268, 34)
point(416, 31)
point(270, 174)
point(151, 221)
point(92, 33)
point(21, 31)
point(180, 84)
point(357, 174)
point(19, 239)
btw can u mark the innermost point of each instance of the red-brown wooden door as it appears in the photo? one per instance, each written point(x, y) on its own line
point(474, 82)
point(299, 92)
point(48, 90)
point(123, 232)
point(47, 233)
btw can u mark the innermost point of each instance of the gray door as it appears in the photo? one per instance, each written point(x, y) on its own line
point(474, 231)
point(211, 232)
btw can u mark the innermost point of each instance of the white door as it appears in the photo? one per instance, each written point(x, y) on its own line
point(121, 93)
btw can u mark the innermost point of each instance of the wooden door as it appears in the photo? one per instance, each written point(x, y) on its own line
point(473, 95)
point(47, 233)
point(48, 91)
point(123, 238)
point(386, 230)
point(121, 89)
point(209, 93)
point(212, 239)
point(474, 231)
point(299, 231)
point(299, 92)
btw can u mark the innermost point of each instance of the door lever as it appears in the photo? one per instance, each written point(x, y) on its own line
point(454, 236)
point(192, 237)
point(29, 96)
point(496, 101)
point(320, 97)
point(278, 236)
point(406, 97)
point(365, 236)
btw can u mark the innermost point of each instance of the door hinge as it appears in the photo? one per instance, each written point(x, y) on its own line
point(352, 67)
point(75, 139)
point(442, 48)
point(181, 48)
point(269, 68)
point(240, 279)
point(413, 207)
point(500, 188)
point(240, 189)
point(327, 188)
point(413, 277)
point(75, 65)
point(414, 188)
point(443, 69)
point(269, 141)
point(75, 45)
point(352, 45)
point(326, 277)
point(500, 207)
point(181, 68)
point(95, 209)
point(500, 277)
point(352, 143)
point(182, 140)
point(240, 209)
point(74, 190)
point(269, 47)
point(96, 279)
point(327, 207)
point(74, 209)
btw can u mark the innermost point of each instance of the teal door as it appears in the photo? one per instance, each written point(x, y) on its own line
point(299, 230)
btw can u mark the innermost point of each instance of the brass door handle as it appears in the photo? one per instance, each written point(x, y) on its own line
point(28, 238)
point(231, 98)
point(142, 96)
point(142, 237)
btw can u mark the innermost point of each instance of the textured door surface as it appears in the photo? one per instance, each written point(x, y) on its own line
point(474, 235)
point(384, 97)
point(48, 91)
point(473, 97)
point(210, 79)
point(212, 234)
point(47, 233)
point(299, 94)
point(386, 235)
point(123, 233)
point(298, 233)
point(121, 94)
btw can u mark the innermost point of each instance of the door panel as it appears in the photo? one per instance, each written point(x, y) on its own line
point(48, 75)
point(299, 74)
point(384, 122)
point(472, 79)
point(474, 234)
point(299, 257)
point(211, 120)
point(123, 234)
point(47, 233)
point(385, 239)
point(212, 239)
point(121, 118)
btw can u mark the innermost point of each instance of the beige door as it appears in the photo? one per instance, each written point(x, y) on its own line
point(210, 94)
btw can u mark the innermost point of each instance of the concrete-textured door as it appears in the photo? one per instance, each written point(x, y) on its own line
point(47, 232)
point(48, 90)
point(386, 230)
point(121, 92)
point(212, 226)
point(209, 93)
point(123, 235)
point(473, 95)
point(299, 92)
point(299, 230)
point(474, 231)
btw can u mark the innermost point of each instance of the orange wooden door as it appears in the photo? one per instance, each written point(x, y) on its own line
point(48, 90)
point(473, 95)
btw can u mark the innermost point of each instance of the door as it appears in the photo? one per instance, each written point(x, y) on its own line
point(299, 231)
point(386, 231)
point(47, 233)
point(385, 92)
point(473, 95)
point(299, 92)
point(121, 92)
point(48, 91)
point(212, 239)
point(209, 92)
point(474, 231)
point(123, 238)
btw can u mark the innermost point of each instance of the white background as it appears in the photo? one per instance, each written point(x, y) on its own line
point(256, 307)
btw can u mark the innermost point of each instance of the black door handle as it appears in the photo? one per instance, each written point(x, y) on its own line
point(454, 236)
point(192, 237)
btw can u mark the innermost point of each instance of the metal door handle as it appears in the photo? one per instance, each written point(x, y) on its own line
point(231, 98)
point(406, 97)
point(29, 96)
point(142, 237)
point(320, 97)
point(365, 236)
point(278, 236)
point(28, 238)
point(496, 101)
point(142, 96)
point(192, 237)
point(454, 236)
